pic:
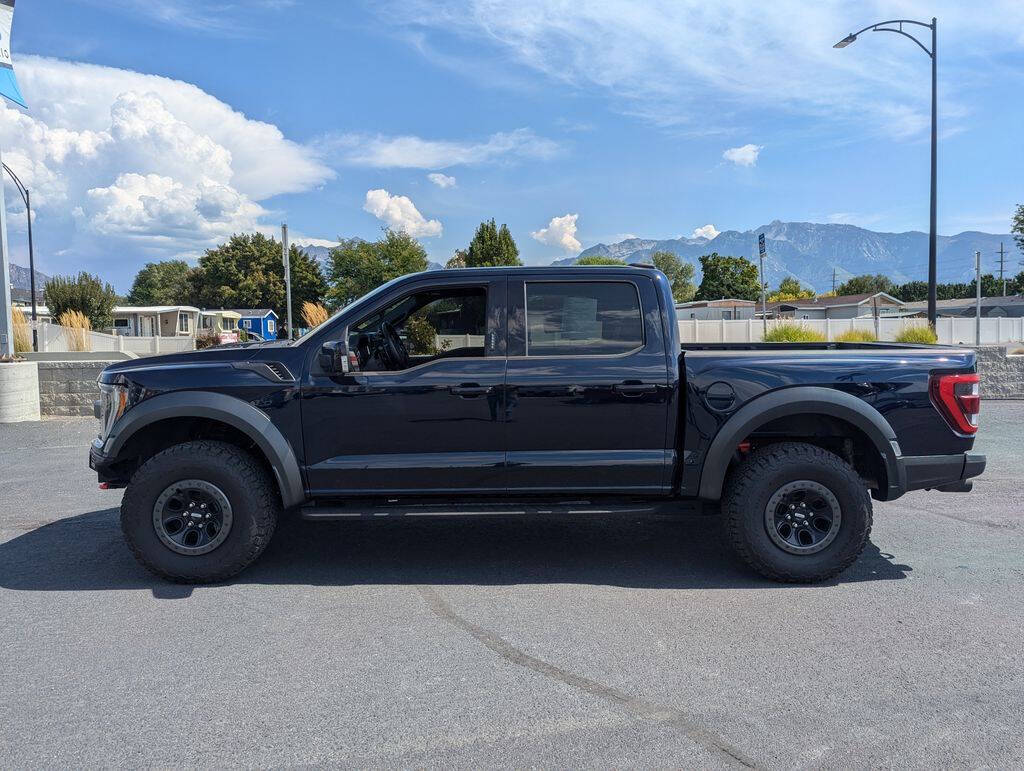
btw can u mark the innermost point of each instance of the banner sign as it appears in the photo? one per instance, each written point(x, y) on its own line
point(8, 85)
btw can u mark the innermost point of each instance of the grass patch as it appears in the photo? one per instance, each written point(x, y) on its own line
point(22, 333)
point(923, 334)
point(76, 330)
point(856, 336)
point(793, 333)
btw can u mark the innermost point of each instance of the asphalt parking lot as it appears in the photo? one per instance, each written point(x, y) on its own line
point(498, 642)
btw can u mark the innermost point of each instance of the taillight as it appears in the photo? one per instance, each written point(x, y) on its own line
point(958, 399)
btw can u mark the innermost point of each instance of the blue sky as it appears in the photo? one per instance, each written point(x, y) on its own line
point(573, 122)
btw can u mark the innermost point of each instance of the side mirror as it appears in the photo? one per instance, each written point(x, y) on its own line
point(335, 358)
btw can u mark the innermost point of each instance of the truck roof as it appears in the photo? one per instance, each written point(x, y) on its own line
point(641, 268)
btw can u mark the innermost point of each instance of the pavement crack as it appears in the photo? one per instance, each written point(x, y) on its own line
point(668, 715)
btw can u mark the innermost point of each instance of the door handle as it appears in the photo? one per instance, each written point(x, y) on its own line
point(470, 390)
point(634, 389)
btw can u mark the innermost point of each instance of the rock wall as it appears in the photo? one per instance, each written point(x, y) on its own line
point(68, 387)
point(1002, 376)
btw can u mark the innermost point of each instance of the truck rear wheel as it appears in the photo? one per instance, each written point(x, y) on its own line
point(199, 512)
point(796, 513)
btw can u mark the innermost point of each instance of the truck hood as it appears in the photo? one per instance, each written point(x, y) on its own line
point(219, 354)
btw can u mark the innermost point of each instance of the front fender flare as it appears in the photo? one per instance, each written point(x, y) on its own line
point(802, 400)
point(234, 412)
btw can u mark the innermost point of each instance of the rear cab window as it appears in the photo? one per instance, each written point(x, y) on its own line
point(582, 318)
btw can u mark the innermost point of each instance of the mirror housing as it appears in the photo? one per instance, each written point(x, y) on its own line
point(335, 358)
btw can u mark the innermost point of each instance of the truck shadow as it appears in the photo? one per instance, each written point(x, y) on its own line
point(87, 552)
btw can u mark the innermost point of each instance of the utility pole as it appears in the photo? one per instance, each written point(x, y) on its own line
point(833, 280)
point(1002, 264)
point(287, 276)
point(977, 292)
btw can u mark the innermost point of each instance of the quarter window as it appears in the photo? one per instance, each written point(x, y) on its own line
point(582, 318)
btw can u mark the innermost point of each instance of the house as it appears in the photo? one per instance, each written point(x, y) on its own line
point(222, 323)
point(43, 314)
point(1011, 306)
point(156, 320)
point(849, 306)
point(716, 309)
point(261, 322)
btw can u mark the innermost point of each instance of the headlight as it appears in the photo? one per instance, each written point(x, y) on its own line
point(113, 402)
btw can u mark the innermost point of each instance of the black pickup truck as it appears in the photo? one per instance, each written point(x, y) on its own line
point(528, 390)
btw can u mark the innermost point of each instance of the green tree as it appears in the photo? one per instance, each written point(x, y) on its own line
point(912, 291)
point(358, 266)
point(866, 284)
point(728, 277)
point(84, 293)
point(597, 259)
point(492, 246)
point(161, 283)
point(248, 272)
point(990, 286)
point(1016, 284)
point(1017, 226)
point(790, 289)
point(679, 274)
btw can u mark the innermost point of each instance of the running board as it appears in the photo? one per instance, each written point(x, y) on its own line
point(370, 510)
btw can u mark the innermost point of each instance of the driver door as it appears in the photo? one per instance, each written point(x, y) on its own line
point(434, 426)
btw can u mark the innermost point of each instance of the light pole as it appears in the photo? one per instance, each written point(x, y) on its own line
point(883, 26)
point(27, 198)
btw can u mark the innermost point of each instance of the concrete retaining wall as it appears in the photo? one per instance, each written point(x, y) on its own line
point(68, 387)
point(19, 391)
point(1002, 376)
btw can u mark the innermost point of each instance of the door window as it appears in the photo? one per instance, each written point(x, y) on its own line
point(436, 323)
point(582, 318)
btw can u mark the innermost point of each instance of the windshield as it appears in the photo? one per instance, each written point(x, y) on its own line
point(366, 298)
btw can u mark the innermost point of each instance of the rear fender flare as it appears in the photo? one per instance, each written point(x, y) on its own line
point(234, 412)
point(802, 400)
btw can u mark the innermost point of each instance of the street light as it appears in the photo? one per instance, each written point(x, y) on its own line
point(884, 26)
point(27, 198)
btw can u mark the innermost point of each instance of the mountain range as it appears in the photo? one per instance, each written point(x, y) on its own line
point(811, 251)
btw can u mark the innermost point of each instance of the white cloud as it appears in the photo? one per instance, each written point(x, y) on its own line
point(400, 213)
point(708, 231)
point(560, 232)
point(441, 180)
point(143, 168)
point(417, 153)
point(745, 155)
point(665, 60)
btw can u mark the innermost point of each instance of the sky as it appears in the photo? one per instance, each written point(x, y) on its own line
point(157, 128)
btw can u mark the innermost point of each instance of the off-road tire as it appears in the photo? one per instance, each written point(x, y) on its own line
point(254, 500)
point(753, 482)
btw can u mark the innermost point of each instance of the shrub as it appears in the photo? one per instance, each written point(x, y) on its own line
point(22, 334)
point(793, 333)
point(856, 336)
point(76, 329)
point(921, 334)
point(314, 314)
point(207, 339)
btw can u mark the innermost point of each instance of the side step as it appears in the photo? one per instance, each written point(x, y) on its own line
point(398, 509)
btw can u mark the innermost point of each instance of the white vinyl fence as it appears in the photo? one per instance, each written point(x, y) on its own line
point(54, 338)
point(951, 331)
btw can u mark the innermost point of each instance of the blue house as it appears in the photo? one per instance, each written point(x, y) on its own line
point(258, 321)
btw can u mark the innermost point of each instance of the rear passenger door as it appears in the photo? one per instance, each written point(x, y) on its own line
point(587, 386)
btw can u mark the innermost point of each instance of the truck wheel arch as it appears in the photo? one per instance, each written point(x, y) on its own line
point(234, 412)
point(801, 400)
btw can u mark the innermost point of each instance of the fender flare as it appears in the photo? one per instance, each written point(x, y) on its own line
point(234, 412)
point(802, 400)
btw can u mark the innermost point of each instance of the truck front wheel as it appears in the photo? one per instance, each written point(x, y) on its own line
point(796, 513)
point(199, 511)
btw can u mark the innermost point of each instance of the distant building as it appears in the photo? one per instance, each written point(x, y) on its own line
point(849, 306)
point(222, 323)
point(1011, 306)
point(716, 309)
point(156, 320)
point(258, 321)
